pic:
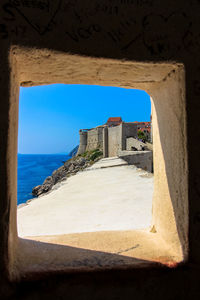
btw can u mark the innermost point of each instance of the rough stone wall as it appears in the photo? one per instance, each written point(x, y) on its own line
point(82, 142)
point(140, 159)
point(114, 140)
point(130, 130)
point(95, 139)
point(117, 136)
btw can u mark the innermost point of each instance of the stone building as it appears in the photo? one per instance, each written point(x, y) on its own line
point(90, 139)
point(95, 138)
point(114, 121)
point(110, 138)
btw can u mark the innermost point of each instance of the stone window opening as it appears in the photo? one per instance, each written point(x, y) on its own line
point(116, 201)
point(166, 243)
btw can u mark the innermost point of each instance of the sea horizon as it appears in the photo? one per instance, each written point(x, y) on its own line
point(62, 153)
point(33, 169)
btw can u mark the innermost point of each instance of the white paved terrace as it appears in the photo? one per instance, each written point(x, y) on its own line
point(110, 195)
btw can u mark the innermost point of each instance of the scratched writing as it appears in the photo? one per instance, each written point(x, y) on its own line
point(17, 30)
point(137, 2)
point(107, 9)
point(97, 9)
point(191, 41)
point(83, 32)
point(39, 4)
point(28, 9)
point(158, 36)
point(8, 10)
point(119, 32)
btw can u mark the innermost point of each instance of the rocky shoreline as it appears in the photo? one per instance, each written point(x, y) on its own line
point(70, 167)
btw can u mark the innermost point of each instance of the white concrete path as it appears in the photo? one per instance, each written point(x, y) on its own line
point(110, 195)
point(108, 162)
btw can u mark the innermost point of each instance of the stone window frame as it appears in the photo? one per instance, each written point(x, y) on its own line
point(166, 242)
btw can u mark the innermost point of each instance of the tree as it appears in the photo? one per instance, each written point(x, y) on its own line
point(142, 136)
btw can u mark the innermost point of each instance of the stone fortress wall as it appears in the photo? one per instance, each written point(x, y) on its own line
point(110, 140)
point(119, 140)
point(83, 141)
point(95, 138)
point(114, 141)
point(90, 139)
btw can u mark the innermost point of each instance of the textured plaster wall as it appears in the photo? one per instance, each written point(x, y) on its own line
point(145, 44)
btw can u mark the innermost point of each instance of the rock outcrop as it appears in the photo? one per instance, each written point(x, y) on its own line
point(70, 167)
point(74, 151)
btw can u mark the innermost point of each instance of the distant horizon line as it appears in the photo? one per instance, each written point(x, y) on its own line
point(60, 153)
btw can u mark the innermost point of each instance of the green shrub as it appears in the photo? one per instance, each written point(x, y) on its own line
point(142, 136)
point(92, 154)
point(84, 154)
point(95, 154)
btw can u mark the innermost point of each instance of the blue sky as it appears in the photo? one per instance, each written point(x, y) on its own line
point(50, 116)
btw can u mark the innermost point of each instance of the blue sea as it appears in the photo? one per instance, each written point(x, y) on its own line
point(33, 169)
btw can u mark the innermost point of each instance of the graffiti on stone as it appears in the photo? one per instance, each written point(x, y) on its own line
point(107, 9)
point(9, 13)
point(191, 39)
point(31, 11)
point(159, 31)
point(120, 33)
point(139, 3)
point(43, 5)
point(83, 32)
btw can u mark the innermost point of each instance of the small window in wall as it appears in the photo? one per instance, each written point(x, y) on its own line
point(85, 160)
point(88, 203)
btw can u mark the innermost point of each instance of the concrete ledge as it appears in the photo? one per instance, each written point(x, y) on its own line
point(92, 251)
point(141, 159)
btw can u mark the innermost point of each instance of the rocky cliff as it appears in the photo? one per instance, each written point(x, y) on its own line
point(70, 167)
point(74, 151)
